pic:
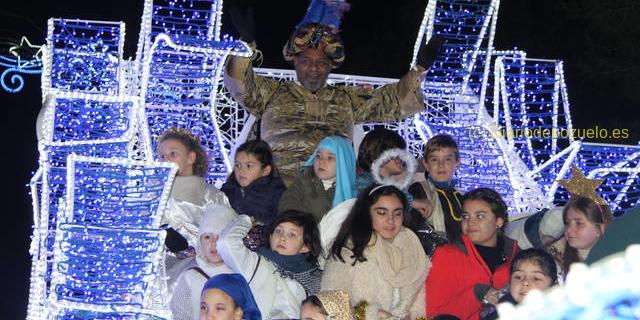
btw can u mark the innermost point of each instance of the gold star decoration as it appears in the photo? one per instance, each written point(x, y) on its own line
point(579, 185)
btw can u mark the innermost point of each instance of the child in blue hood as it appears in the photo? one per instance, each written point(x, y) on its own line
point(327, 179)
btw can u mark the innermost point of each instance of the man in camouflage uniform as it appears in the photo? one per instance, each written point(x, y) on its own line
point(296, 115)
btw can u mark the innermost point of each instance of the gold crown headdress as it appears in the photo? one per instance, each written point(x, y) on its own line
point(337, 304)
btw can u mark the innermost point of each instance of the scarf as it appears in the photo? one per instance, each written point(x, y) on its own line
point(444, 185)
point(296, 267)
point(451, 203)
point(398, 259)
point(296, 263)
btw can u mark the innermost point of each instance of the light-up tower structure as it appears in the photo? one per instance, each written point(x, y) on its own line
point(98, 195)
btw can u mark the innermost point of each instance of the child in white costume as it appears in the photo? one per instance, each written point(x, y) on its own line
point(185, 302)
point(189, 193)
point(188, 198)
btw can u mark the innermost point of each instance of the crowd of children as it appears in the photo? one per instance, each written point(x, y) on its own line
point(357, 240)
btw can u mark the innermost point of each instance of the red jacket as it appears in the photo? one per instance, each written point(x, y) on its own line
point(459, 278)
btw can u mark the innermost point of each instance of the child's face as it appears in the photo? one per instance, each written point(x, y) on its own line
point(526, 276)
point(208, 241)
point(288, 239)
point(309, 311)
point(174, 151)
point(580, 233)
point(479, 223)
point(217, 304)
point(386, 216)
point(248, 169)
point(393, 167)
point(324, 165)
point(441, 164)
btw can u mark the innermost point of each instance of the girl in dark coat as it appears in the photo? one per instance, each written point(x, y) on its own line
point(255, 187)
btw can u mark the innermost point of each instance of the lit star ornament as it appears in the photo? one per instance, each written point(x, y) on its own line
point(579, 185)
point(26, 46)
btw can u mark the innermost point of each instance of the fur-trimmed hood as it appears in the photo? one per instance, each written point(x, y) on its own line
point(403, 181)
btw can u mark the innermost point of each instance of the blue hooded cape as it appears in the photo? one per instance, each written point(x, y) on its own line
point(345, 166)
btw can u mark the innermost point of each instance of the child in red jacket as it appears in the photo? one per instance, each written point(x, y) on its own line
point(470, 271)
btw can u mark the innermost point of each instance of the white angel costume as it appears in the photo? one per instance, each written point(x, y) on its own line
point(185, 301)
point(184, 213)
point(185, 208)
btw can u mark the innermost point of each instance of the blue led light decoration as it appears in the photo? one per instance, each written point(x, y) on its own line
point(455, 91)
point(73, 123)
point(532, 107)
point(88, 112)
point(182, 59)
point(478, 84)
point(184, 21)
point(618, 165)
point(25, 59)
point(108, 245)
point(530, 97)
point(83, 115)
point(83, 56)
point(468, 28)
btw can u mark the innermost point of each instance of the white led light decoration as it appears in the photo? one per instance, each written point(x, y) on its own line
point(181, 56)
point(108, 245)
point(604, 290)
point(83, 56)
point(96, 247)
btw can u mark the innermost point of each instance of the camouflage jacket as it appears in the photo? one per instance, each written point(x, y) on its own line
point(294, 120)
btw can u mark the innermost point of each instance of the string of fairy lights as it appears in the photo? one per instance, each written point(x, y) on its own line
point(97, 247)
point(98, 194)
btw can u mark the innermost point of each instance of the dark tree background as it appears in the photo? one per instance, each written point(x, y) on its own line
point(598, 40)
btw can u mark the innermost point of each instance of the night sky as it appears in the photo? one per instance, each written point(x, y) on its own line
point(598, 41)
